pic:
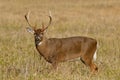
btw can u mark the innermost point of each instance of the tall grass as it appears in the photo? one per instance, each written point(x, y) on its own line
point(99, 19)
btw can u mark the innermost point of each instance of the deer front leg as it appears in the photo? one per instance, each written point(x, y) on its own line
point(55, 64)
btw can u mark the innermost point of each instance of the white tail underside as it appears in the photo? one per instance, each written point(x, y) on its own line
point(95, 56)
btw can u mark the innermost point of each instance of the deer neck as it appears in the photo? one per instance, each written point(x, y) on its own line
point(41, 48)
point(39, 43)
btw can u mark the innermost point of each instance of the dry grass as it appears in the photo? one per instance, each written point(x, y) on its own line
point(99, 19)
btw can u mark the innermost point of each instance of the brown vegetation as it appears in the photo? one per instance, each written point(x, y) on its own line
point(99, 19)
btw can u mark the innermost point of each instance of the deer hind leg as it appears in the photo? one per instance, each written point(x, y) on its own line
point(89, 63)
point(93, 68)
point(87, 60)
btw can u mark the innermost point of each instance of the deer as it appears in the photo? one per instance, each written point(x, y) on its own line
point(56, 50)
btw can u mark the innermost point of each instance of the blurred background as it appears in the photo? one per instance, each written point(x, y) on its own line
point(99, 19)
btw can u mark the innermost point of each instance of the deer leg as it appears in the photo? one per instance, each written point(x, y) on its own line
point(53, 61)
point(88, 61)
point(93, 68)
point(54, 64)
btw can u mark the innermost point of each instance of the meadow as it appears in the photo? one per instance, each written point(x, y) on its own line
point(99, 19)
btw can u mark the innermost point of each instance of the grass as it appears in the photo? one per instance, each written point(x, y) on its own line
point(99, 19)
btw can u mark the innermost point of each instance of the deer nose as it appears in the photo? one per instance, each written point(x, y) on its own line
point(37, 38)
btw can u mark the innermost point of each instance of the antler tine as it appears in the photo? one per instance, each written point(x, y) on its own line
point(50, 16)
point(27, 18)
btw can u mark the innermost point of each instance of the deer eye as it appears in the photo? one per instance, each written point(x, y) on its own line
point(36, 34)
point(41, 33)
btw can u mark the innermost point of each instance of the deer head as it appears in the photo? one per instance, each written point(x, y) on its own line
point(38, 33)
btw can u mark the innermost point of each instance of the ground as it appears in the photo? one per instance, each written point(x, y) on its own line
point(99, 19)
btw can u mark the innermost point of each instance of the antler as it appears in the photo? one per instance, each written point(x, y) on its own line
point(44, 28)
point(50, 16)
point(27, 18)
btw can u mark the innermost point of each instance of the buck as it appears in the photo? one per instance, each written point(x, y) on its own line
point(56, 50)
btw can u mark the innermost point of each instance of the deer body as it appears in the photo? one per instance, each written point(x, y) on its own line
point(65, 48)
point(56, 50)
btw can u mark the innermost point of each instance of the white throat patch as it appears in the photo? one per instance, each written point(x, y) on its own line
point(39, 43)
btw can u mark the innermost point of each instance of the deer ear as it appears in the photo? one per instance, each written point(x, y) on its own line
point(29, 29)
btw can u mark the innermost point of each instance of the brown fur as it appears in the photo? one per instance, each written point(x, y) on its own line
point(56, 50)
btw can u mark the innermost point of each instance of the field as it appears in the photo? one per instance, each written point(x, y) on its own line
point(99, 19)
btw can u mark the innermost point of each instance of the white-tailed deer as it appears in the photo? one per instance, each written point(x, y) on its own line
point(56, 50)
